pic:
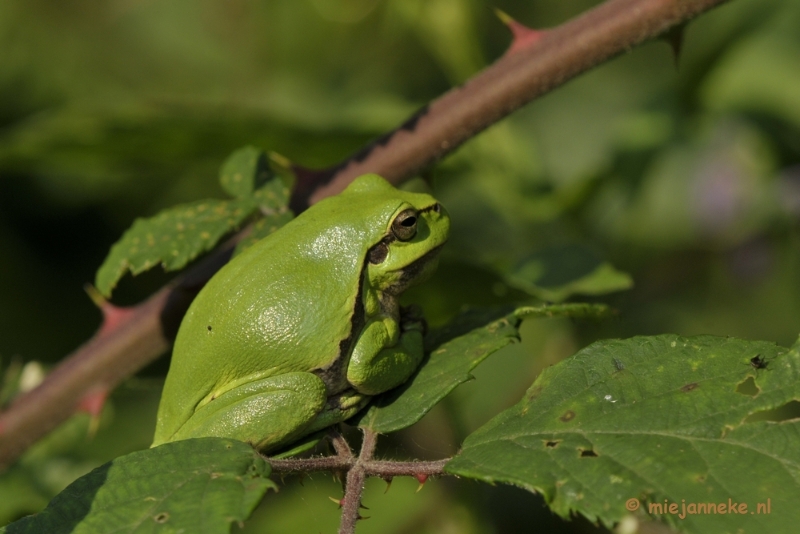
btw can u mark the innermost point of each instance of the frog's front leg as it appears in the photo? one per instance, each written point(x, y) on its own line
point(266, 413)
point(384, 357)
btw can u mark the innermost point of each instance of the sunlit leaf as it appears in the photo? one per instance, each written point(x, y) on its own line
point(245, 171)
point(172, 238)
point(655, 419)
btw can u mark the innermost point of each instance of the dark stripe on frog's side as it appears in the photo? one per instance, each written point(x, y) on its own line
point(335, 375)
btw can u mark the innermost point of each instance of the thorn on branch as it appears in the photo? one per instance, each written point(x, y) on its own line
point(523, 36)
point(92, 403)
point(422, 478)
point(388, 481)
point(674, 38)
point(113, 316)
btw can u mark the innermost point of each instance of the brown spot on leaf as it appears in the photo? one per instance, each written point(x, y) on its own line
point(552, 444)
point(568, 416)
point(588, 453)
point(690, 387)
point(161, 518)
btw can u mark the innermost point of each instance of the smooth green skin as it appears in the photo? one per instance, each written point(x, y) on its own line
point(301, 330)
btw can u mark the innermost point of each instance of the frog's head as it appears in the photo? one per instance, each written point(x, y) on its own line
point(407, 230)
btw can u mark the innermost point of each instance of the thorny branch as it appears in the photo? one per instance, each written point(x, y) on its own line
point(357, 469)
point(131, 338)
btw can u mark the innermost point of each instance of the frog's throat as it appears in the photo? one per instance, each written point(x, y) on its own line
point(412, 272)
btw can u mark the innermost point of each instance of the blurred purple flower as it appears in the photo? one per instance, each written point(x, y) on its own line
point(719, 195)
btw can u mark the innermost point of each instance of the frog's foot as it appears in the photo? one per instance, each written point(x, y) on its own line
point(266, 413)
point(375, 367)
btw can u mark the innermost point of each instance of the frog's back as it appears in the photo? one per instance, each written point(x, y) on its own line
point(272, 298)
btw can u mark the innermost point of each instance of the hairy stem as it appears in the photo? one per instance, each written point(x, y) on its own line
point(357, 469)
point(532, 70)
point(354, 485)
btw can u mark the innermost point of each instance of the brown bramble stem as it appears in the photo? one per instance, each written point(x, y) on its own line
point(561, 53)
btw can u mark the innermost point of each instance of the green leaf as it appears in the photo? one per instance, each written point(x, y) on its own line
point(250, 172)
point(273, 195)
point(453, 352)
point(172, 238)
point(262, 228)
point(556, 273)
point(199, 485)
point(245, 171)
point(656, 419)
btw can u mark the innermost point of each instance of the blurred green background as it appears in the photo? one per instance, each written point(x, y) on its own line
point(687, 179)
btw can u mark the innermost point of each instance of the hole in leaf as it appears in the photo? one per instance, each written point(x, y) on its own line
point(787, 412)
point(552, 444)
point(163, 517)
point(748, 387)
point(588, 453)
point(569, 415)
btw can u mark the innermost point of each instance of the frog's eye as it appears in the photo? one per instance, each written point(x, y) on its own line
point(404, 226)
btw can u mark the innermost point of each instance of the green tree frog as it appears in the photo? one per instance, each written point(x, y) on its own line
point(299, 331)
